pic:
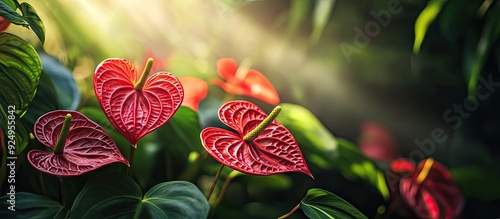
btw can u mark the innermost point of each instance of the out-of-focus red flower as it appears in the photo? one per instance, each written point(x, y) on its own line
point(429, 190)
point(250, 83)
point(160, 63)
point(3, 24)
point(377, 143)
point(195, 90)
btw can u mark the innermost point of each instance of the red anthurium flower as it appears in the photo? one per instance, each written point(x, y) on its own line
point(195, 90)
point(79, 144)
point(377, 143)
point(133, 104)
point(246, 82)
point(272, 151)
point(429, 191)
point(3, 24)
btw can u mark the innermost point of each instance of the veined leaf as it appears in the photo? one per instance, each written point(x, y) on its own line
point(321, 204)
point(114, 195)
point(29, 205)
point(36, 24)
point(20, 70)
point(10, 14)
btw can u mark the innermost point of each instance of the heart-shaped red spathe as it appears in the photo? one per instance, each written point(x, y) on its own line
point(87, 146)
point(135, 113)
point(273, 151)
point(435, 196)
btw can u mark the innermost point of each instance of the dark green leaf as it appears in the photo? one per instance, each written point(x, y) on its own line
point(180, 136)
point(36, 24)
point(45, 99)
point(20, 70)
point(484, 187)
point(29, 205)
point(321, 204)
point(114, 195)
point(68, 94)
point(10, 14)
point(476, 57)
point(11, 3)
point(424, 20)
point(354, 165)
point(317, 143)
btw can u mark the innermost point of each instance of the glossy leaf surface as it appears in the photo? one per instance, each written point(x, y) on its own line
point(87, 146)
point(321, 204)
point(8, 12)
point(135, 113)
point(114, 195)
point(20, 70)
point(36, 24)
point(248, 83)
point(195, 90)
point(273, 151)
point(29, 205)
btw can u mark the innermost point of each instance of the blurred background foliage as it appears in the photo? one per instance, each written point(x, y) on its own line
point(424, 62)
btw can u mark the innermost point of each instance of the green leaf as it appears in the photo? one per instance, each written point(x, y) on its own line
point(20, 70)
point(424, 20)
point(321, 15)
point(475, 59)
point(114, 195)
point(68, 94)
point(36, 24)
point(11, 3)
point(29, 205)
point(180, 136)
point(319, 204)
point(484, 187)
point(315, 140)
point(9, 13)
point(354, 165)
point(45, 100)
point(320, 147)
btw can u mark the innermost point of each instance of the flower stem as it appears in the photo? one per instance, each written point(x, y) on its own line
point(59, 187)
point(130, 159)
point(214, 182)
point(222, 192)
point(140, 84)
point(59, 148)
point(262, 126)
point(291, 212)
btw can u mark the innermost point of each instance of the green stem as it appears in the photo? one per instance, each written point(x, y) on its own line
point(214, 182)
point(59, 148)
point(262, 126)
point(222, 193)
point(140, 84)
point(291, 212)
point(130, 159)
